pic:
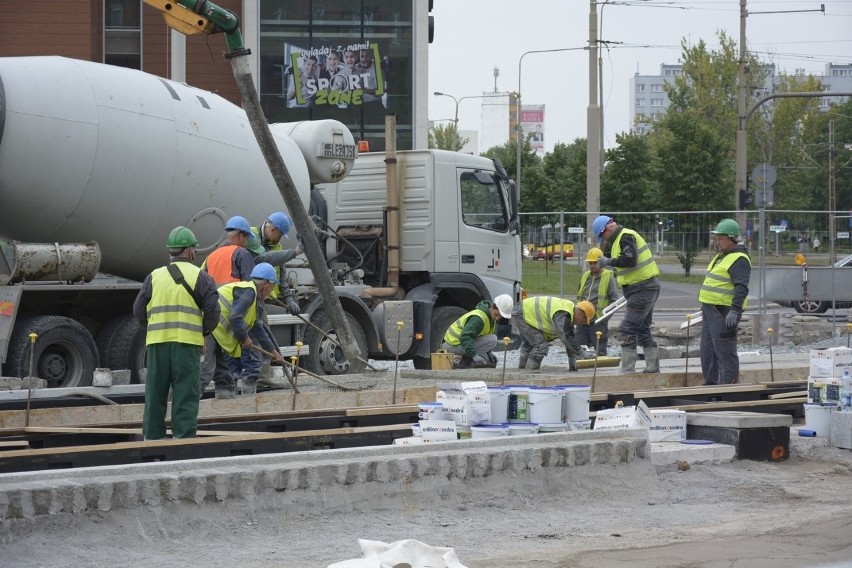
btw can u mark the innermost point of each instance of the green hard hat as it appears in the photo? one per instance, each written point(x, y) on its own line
point(181, 237)
point(727, 227)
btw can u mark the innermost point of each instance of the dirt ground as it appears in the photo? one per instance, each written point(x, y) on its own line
point(741, 514)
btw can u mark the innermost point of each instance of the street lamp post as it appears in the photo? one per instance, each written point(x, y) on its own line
point(455, 100)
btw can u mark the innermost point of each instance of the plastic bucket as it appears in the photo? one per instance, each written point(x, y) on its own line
point(552, 427)
point(431, 410)
point(499, 404)
point(576, 405)
point(489, 431)
point(545, 404)
point(415, 429)
point(818, 418)
point(522, 428)
point(519, 410)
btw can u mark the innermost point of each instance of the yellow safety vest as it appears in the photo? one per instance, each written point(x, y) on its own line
point(453, 335)
point(645, 266)
point(539, 312)
point(717, 288)
point(599, 298)
point(173, 315)
point(276, 291)
point(224, 337)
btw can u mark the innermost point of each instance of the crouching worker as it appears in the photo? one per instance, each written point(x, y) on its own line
point(542, 319)
point(239, 321)
point(472, 335)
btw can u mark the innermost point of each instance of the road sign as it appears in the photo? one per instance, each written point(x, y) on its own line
point(842, 234)
point(764, 198)
point(580, 230)
point(777, 228)
point(764, 175)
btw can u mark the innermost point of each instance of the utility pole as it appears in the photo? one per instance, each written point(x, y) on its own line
point(593, 128)
point(740, 181)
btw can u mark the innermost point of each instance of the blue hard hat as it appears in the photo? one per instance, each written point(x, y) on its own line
point(599, 224)
point(281, 221)
point(264, 271)
point(237, 223)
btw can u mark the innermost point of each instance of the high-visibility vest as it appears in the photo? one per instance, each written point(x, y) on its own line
point(596, 295)
point(223, 334)
point(453, 335)
point(717, 288)
point(645, 266)
point(539, 312)
point(276, 290)
point(173, 314)
point(220, 264)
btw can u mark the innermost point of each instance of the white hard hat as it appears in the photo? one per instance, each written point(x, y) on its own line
point(504, 303)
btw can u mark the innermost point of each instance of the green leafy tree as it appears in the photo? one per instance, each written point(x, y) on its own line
point(628, 182)
point(446, 137)
point(564, 177)
point(532, 179)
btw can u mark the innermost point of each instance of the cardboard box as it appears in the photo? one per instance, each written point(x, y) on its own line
point(822, 390)
point(624, 417)
point(467, 404)
point(831, 362)
point(438, 431)
point(667, 426)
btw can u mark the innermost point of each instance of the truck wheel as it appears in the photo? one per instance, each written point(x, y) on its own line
point(442, 319)
point(65, 354)
point(121, 345)
point(324, 357)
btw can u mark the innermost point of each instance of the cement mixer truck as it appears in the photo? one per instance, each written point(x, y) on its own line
point(98, 163)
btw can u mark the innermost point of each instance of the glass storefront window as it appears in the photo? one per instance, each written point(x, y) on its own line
point(123, 33)
point(350, 61)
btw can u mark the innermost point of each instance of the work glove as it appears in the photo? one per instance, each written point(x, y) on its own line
point(293, 308)
point(299, 248)
point(480, 361)
point(604, 261)
point(572, 364)
point(731, 320)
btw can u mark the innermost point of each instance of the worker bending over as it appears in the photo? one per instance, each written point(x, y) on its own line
point(542, 319)
point(472, 335)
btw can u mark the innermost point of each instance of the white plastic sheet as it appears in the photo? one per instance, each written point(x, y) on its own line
point(402, 554)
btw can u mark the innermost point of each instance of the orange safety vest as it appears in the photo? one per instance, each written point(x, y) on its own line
point(220, 265)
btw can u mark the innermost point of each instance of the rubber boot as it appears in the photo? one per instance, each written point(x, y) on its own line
point(533, 365)
point(652, 359)
point(628, 359)
point(226, 391)
point(492, 360)
point(522, 362)
point(249, 387)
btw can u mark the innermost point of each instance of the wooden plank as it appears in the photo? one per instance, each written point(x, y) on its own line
point(703, 407)
point(14, 444)
point(377, 410)
point(688, 391)
point(793, 394)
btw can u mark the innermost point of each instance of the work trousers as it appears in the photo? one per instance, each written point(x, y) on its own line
point(484, 344)
point(635, 328)
point(246, 367)
point(175, 366)
point(587, 335)
point(534, 345)
point(719, 361)
point(215, 366)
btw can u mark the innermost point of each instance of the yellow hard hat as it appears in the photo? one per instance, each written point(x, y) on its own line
point(588, 309)
point(594, 254)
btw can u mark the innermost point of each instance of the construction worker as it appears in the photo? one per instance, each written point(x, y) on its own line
point(638, 275)
point(266, 247)
point(542, 319)
point(239, 303)
point(231, 262)
point(598, 287)
point(723, 298)
point(178, 305)
point(472, 335)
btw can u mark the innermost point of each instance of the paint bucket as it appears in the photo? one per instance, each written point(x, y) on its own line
point(519, 403)
point(489, 431)
point(552, 427)
point(431, 410)
point(818, 418)
point(545, 404)
point(578, 425)
point(415, 429)
point(576, 405)
point(522, 428)
point(499, 404)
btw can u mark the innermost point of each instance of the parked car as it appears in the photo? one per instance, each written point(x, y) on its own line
point(784, 286)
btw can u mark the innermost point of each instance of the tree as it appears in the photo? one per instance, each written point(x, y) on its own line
point(446, 137)
point(628, 182)
point(532, 195)
point(563, 184)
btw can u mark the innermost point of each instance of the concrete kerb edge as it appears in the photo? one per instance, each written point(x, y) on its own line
point(306, 478)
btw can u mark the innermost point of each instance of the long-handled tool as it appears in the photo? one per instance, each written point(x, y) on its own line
point(611, 309)
point(692, 319)
point(506, 341)
point(686, 368)
point(331, 339)
point(33, 337)
point(771, 364)
point(598, 335)
point(305, 371)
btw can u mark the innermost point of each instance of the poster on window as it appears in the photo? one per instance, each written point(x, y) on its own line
point(336, 75)
point(532, 125)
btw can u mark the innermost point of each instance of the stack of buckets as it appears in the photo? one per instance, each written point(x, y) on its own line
point(522, 409)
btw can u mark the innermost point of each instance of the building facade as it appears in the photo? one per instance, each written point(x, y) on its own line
point(351, 60)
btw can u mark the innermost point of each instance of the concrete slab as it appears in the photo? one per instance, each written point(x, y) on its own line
point(841, 430)
point(738, 419)
point(667, 453)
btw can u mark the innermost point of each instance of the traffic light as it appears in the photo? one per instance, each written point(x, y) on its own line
point(746, 198)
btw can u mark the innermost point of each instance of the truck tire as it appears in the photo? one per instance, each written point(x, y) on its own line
point(65, 352)
point(325, 358)
point(442, 319)
point(121, 345)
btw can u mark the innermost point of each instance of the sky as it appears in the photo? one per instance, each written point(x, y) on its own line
point(472, 37)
